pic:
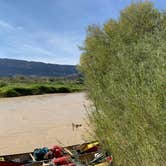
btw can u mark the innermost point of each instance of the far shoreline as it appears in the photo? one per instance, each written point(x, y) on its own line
point(44, 94)
point(16, 90)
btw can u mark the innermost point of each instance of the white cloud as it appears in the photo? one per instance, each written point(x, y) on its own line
point(8, 26)
point(36, 49)
point(44, 46)
point(68, 44)
point(5, 24)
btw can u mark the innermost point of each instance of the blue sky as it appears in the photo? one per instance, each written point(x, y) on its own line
point(51, 30)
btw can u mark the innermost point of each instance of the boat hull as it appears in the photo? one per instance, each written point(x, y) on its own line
point(27, 158)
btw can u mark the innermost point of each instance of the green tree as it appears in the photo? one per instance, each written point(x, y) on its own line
point(124, 67)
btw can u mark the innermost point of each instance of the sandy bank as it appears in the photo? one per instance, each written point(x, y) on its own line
point(35, 121)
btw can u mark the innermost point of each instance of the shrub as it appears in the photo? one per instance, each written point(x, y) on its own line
point(64, 90)
point(3, 84)
point(10, 93)
point(23, 91)
point(124, 67)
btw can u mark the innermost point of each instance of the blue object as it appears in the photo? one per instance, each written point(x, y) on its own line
point(39, 153)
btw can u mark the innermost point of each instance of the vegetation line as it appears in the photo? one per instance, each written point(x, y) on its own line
point(22, 86)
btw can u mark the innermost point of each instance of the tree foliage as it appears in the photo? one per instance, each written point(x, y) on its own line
point(124, 66)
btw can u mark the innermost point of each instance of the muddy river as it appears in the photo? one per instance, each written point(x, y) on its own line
point(43, 120)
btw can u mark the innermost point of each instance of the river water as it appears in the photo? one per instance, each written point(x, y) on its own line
point(43, 120)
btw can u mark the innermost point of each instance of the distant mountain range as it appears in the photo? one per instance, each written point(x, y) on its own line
point(10, 67)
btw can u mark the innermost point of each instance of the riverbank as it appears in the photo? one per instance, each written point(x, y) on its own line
point(37, 89)
point(25, 86)
point(43, 120)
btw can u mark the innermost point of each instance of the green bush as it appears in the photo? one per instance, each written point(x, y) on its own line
point(10, 93)
point(64, 90)
point(46, 89)
point(52, 89)
point(3, 84)
point(124, 67)
point(20, 90)
point(23, 91)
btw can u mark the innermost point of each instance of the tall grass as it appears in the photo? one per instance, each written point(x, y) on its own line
point(124, 67)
